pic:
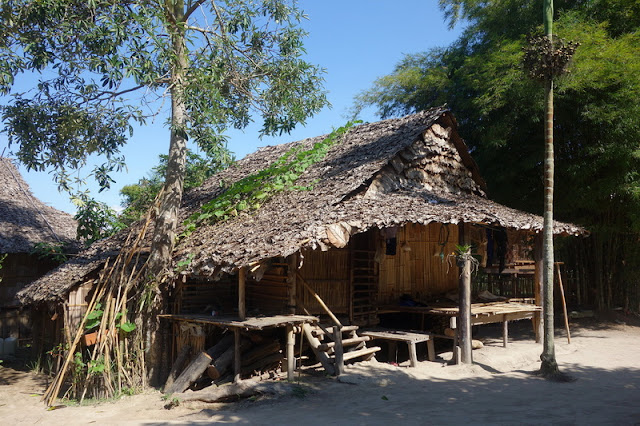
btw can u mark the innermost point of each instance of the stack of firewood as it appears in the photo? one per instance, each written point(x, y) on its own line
point(260, 356)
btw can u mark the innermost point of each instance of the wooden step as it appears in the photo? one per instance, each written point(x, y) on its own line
point(346, 342)
point(319, 331)
point(362, 352)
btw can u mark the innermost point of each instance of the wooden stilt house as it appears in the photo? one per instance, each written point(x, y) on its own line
point(373, 224)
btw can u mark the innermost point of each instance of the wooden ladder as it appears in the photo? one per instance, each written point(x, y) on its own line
point(334, 345)
point(364, 287)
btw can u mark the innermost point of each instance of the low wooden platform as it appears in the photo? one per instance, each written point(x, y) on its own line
point(410, 338)
point(254, 323)
point(290, 322)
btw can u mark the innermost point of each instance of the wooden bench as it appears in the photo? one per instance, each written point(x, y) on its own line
point(410, 338)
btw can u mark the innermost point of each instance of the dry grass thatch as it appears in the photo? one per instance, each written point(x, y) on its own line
point(413, 169)
point(25, 220)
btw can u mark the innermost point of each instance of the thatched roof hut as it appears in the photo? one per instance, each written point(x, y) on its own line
point(24, 219)
point(414, 169)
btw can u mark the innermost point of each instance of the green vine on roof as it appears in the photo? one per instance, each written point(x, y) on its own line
point(250, 192)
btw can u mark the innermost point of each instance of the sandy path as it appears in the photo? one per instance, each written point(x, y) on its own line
point(498, 389)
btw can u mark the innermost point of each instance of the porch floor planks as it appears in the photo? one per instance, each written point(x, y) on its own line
point(251, 323)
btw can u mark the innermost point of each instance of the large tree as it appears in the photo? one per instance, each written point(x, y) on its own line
point(499, 109)
point(82, 72)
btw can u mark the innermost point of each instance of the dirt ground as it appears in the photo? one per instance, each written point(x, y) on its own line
point(499, 388)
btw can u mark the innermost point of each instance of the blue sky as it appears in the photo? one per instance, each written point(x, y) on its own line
point(356, 41)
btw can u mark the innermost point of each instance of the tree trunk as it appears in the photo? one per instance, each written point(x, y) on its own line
point(549, 365)
point(167, 215)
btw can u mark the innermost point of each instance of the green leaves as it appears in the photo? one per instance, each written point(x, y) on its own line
point(251, 192)
point(102, 65)
point(95, 220)
point(94, 317)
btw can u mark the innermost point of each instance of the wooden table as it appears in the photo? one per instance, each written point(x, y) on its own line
point(410, 338)
point(481, 313)
point(255, 324)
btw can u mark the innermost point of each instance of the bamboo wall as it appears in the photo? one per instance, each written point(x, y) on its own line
point(328, 273)
point(270, 295)
point(76, 306)
point(417, 268)
point(199, 296)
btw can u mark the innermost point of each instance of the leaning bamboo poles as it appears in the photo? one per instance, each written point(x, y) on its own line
point(117, 358)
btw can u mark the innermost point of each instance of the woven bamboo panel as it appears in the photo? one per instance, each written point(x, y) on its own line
point(417, 268)
point(328, 274)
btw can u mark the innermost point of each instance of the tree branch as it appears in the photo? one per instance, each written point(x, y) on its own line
point(192, 9)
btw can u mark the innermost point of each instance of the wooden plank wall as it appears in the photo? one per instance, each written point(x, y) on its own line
point(328, 273)
point(199, 296)
point(76, 306)
point(417, 269)
point(270, 295)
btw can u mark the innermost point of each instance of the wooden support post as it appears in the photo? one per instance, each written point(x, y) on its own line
point(292, 267)
point(393, 351)
point(413, 355)
point(338, 349)
point(505, 331)
point(242, 278)
point(291, 361)
point(464, 295)
point(537, 284)
point(431, 349)
point(564, 304)
point(237, 361)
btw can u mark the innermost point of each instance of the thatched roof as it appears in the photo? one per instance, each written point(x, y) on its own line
point(25, 220)
point(413, 169)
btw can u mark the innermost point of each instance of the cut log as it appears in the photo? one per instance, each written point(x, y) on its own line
point(178, 365)
point(190, 374)
point(243, 389)
point(212, 373)
point(262, 364)
point(199, 365)
point(254, 354)
point(224, 361)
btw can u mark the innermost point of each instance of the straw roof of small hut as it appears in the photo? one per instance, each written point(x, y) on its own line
point(414, 169)
point(25, 220)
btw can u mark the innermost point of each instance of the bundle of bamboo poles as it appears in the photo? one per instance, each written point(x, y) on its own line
point(117, 358)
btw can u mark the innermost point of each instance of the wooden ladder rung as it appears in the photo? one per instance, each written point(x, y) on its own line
point(346, 342)
point(361, 352)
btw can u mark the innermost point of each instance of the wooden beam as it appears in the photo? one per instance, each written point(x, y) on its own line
point(237, 361)
point(291, 362)
point(537, 284)
point(242, 278)
point(319, 300)
point(338, 349)
point(464, 311)
point(505, 331)
point(292, 267)
point(564, 303)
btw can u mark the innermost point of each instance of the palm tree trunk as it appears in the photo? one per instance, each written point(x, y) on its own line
point(548, 357)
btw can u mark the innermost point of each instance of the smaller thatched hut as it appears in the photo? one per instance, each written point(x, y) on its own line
point(25, 223)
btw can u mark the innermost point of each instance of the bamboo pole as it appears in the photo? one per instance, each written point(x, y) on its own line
point(564, 304)
point(319, 300)
point(242, 278)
